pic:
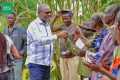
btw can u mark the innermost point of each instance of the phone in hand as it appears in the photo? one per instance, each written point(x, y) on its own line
point(91, 57)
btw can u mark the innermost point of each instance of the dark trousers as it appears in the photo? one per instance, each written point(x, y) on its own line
point(39, 72)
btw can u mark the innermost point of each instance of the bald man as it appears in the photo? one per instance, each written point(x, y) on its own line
point(40, 44)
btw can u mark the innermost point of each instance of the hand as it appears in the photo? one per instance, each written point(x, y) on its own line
point(102, 63)
point(62, 34)
point(66, 53)
point(20, 53)
point(94, 67)
point(74, 37)
point(58, 14)
point(80, 52)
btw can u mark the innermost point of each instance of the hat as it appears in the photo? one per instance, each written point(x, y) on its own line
point(67, 12)
point(87, 25)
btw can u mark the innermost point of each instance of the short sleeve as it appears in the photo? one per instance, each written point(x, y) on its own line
point(9, 43)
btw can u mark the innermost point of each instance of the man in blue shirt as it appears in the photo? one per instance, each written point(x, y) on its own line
point(19, 38)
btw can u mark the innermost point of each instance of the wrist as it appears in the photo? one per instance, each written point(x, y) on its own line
point(20, 52)
point(101, 69)
point(55, 36)
point(56, 17)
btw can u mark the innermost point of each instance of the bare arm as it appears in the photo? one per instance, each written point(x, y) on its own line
point(81, 52)
point(53, 28)
point(85, 40)
point(14, 52)
point(107, 73)
point(77, 34)
point(98, 68)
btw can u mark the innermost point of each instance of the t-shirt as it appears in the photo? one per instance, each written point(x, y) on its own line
point(9, 43)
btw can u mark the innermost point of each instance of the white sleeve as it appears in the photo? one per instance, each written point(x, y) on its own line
point(34, 36)
point(9, 40)
point(9, 43)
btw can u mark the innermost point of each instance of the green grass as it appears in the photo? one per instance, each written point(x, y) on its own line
point(26, 10)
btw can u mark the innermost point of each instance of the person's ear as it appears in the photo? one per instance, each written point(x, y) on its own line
point(112, 15)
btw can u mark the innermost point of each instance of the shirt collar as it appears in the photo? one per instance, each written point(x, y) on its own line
point(41, 22)
point(14, 26)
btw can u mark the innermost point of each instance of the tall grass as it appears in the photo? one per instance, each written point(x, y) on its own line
point(26, 10)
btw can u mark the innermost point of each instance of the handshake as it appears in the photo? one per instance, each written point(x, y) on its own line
point(64, 34)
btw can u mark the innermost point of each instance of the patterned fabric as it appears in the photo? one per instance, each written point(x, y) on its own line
point(98, 39)
point(105, 51)
point(107, 47)
point(116, 60)
point(39, 43)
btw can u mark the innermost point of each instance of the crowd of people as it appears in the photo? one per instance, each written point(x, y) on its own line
point(96, 44)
